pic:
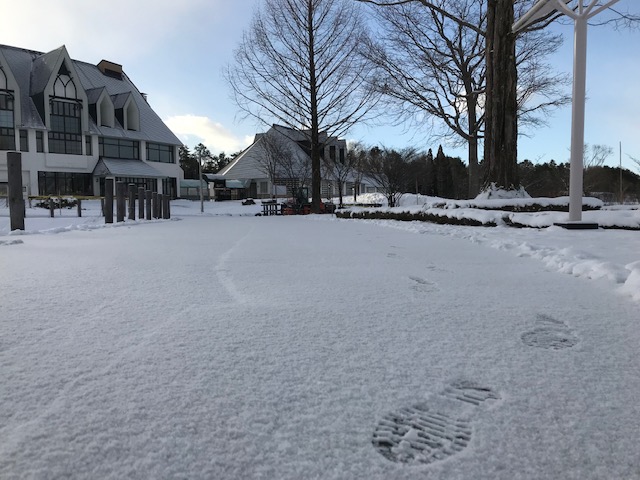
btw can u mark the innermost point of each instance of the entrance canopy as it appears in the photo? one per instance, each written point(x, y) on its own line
point(117, 167)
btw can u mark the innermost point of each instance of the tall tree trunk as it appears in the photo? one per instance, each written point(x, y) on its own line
point(315, 135)
point(501, 128)
point(474, 170)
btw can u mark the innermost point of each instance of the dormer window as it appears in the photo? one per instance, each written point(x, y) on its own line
point(132, 115)
point(107, 116)
point(127, 112)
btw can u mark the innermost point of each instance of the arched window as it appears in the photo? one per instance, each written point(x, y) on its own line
point(7, 132)
point(4, 84)
point(64, 86)
point(65, 130)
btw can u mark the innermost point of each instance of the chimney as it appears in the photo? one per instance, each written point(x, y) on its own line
point(110, 69)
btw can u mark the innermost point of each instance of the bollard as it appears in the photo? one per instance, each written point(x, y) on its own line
point(140, 203)
point(108, 200)
point(79, 207)
point(132, 201)
point(16, 202)
point(120, 201)
point(51, 206)
point(165, 208)
point(154, 206)
point(147, 195)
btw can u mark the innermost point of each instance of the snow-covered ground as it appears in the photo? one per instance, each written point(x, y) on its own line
point(229, 346)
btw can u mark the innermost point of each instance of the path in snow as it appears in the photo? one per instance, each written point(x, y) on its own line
point(276, 347)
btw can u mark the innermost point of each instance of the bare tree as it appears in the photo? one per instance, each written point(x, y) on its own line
point(429, 64)
point(269, 162)
point(293, 169)
point(596, 155)
point(339, 166)
point(357, 155)
point(297, 65)
point(501, 85)
point(389, 169)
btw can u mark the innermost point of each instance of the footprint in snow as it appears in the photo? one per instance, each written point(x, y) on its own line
point(549, 333)
point(429, 432)
point(422, 285)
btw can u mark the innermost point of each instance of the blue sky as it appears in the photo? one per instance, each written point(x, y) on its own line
point(176, 52)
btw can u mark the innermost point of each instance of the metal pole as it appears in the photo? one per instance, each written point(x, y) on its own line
point(200, 178)
point(577, 118)
point(621, 192)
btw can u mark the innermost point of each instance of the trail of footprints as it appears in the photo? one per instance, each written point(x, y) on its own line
point(429, 432)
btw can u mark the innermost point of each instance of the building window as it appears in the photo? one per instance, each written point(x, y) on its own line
point(169, 187)
point(332, 153)
point(65, 133)
point(64, 183)
point(342, 156)
point(7, 132)
point(146, 183)
point(24, 141)
point(158, 152)
point(119, 148)
point(87, 145)
point(39, 142)
point(64, 85)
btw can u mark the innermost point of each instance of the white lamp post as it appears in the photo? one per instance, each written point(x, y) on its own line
point(581, 13)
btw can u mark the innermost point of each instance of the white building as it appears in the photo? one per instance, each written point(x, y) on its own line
point(279, 160)
point(77, 124)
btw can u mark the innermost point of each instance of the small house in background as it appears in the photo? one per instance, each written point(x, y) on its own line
point(279, 161)
point(221, 188)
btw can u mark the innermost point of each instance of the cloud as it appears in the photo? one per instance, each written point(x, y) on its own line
point(193, 129)
point(117, 29)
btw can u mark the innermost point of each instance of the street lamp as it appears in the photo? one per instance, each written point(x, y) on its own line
point(583, 11)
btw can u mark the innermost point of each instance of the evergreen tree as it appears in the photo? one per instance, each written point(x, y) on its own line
point(188, 163)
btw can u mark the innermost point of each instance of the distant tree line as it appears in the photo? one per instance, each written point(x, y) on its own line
point(408, 171)
point(210, 163)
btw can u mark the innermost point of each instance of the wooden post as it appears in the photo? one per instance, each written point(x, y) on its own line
point(108, 200)
point(79, 207)
point(165, 208)
point(16, 202)
point(140, 203)
point(148, 196)
point(120, 201)
point(51, 206)
point(154, 204)
point(132, 201)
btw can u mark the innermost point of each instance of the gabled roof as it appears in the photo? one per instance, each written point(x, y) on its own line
point(107, 167)
point(43, 69)
point(247, 164)
point(120, 99)
point(32, 71)
point(93, 94)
